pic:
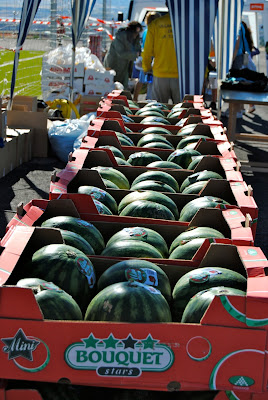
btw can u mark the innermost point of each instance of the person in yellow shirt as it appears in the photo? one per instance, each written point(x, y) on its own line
point(159, 48)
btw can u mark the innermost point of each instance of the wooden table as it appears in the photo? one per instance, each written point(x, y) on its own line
point(235, 100)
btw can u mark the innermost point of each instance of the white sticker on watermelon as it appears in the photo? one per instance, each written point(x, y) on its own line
point(87, 269)
point(136, 231)
point(98, 194)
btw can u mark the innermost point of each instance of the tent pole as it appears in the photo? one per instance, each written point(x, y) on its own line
point(220, 47)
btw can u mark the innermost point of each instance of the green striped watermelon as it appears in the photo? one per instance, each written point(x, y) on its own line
point(195, 188)
point(143, 234)
point(142, 271)
point(191, 208)
point(195, 161)
point(158, 145)
point(143, 158)
point(150, 195)
point(201, 279)
point(129, 302)
point(200, 176)
point(101, 208)
point(131, 248)
point(87, 230)
point(68, 268)
point(195, 233)
point(164, 164)
point(147, 209)
point(199, 303)
point(155, 121)
point(113, 175)
point(110, 184)
point(182, 157)
point(156, 129)
point(190, 140)
point(101, 195)
point(187, 130)
point(161, 176)
point(54, 302)
point(114, 150)
point(187, 250)
point(120, 161)
point(150, 113)
point(152, 137)
point(77, 241)
point(154, 185)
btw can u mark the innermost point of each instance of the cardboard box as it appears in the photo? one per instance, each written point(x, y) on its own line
point(237, 194)
point(99, 77)
point(97, 90)
point(83, 156)
point(37, 123)
point(8, 156)
point(29, 103)
point(3, 123)
point(229, 222)
point(24, 142)
point(230, 342)
point(56, 71)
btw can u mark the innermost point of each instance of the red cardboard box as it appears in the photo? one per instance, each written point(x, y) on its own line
point(229, 222)
point(229, 344)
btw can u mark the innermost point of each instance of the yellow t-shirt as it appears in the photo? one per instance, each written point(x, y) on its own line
point(159, 45)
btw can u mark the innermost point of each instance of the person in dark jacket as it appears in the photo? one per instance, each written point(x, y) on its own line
point(124, 50)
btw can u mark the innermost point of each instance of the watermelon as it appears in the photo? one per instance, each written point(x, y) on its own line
point(131, 248)
point(54, 302)
point(142, 271)
point(127, 119)
point(182, 157)
point(101, 208)
point(195, 161)
point(153, 185)
point(155, 121)
point(191, 208)
point(156, 130)
point(197, 306)
point(176, 113)
point(30, 282)
point(144, 234)
point(152, 137)
point(142, 158)
point(113, 175)
point(201, 279)
point(101, 195)
point(187, 250)
point(120, 161)
point(158, 145)
point(164, 164)
point(128, 111)
point(161, 176)
point(129, 302)
point(195, 233)
point(114, 150)
point(77, 241)
point(109, 184)
point(124, 139)
point(193, 139)
point(150, 195)
point(68, 268)
point(88, 231)
point(133, 105)
point(128, 130)
point(200, 176)
point(195, 188)
point(147, 209)
point(187, 130)
point(150, 113)
point(155, 103)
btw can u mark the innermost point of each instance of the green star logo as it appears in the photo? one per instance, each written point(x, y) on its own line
point(90, 341)
point(149, 342)
point(110, 342)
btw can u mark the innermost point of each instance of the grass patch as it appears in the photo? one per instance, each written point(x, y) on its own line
point(28, 81)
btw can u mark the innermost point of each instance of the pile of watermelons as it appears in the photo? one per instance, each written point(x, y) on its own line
point(67, 287)
point(65, 282)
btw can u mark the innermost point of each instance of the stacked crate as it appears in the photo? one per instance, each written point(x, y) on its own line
point(230, 342)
